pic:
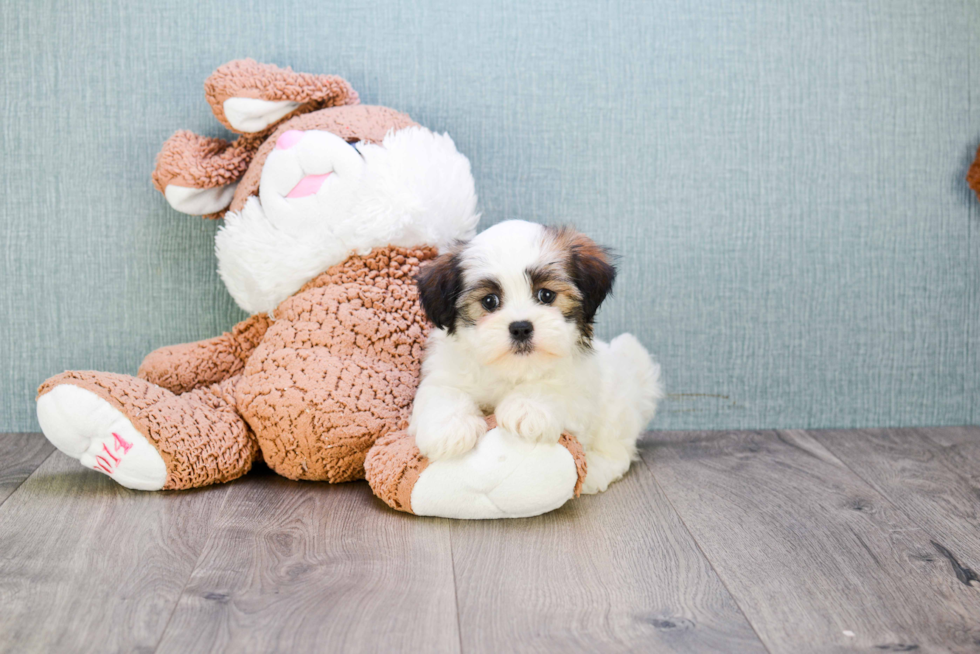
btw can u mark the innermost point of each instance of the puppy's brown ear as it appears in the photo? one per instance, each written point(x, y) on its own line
point(440, 285)
point(590, 267)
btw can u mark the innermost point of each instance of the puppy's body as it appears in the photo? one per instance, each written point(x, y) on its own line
point(514, 309)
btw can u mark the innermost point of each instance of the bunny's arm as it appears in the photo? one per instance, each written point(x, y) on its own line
point(181, 368)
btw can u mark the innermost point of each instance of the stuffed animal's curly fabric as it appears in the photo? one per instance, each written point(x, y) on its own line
point(311, 391)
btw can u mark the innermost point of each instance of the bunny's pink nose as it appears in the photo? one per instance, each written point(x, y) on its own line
point(289, 139)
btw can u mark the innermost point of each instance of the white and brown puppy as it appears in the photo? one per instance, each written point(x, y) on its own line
point(514, 309)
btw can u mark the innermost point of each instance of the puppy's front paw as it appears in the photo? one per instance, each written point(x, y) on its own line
point(452, 437)
point(529, 418)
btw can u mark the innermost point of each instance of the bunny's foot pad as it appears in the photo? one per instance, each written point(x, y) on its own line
point(504, 476)
point(88, 428)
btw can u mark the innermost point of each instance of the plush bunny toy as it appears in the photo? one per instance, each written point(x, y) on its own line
point(330, 208)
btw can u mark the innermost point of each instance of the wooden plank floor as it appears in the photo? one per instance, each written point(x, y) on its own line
point(20, 455)
point(716, 541)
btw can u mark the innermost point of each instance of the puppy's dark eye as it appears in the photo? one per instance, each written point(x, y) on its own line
point(490, 302)
point(546, 296)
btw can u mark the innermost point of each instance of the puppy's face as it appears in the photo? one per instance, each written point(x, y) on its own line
point(519, 292)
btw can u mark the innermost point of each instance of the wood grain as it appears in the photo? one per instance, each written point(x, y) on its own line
point(914, 473)
point(607, 573)
point(87, 565)
point(294, 566)
point(959, 448)
point(816, 558)
point(20, 455)
point(951, 436)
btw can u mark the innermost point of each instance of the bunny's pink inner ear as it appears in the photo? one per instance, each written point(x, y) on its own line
point(250, 98)
point(198, 175)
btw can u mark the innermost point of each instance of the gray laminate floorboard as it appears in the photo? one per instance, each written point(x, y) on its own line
point(617, 572)
point(89, 566)
point(20, 455)
point(914, 473)
point(959, 449)
point(816, 558)
point(732, 542)
point(310, 567)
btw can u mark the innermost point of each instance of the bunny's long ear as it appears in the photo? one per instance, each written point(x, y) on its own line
point(249, 97)
point(198, 174)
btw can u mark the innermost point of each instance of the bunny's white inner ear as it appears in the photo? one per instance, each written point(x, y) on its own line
point(199, 201)
point(253, 115)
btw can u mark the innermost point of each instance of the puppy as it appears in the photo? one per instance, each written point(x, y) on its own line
point(514, 310)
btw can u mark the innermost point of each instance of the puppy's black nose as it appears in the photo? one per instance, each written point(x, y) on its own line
point(521, 330)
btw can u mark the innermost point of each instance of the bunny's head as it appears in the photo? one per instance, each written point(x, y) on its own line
point(314, 178)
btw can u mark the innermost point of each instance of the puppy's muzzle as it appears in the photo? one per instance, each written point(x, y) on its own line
point(521, 331)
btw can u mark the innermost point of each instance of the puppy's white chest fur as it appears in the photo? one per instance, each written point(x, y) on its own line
point(569, 386)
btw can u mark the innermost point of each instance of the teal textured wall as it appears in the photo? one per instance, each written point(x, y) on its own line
point(783, 180)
